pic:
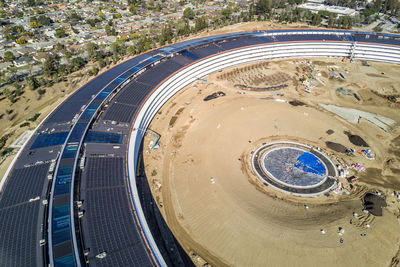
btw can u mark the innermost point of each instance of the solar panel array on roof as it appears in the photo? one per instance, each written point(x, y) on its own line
point(242, 42)
point(152, 60)
point(231, 44)
point(206, 50)
point(53, 139)
point(309, 37)
point(66, 112)
point(372, 38)
point(63, 180)
point(110, 224)
point(158, 73)
point(61, 224)
point(24, 184)
point(88, 113)
point(103, 137)
point(120, 112)
point(77, 132)
point(69, 152)
point(104, 172)
point(134, 93)
point(129, 256)
point(18, 230)
point(119, 79)
point(182, 60)
point(190, 55)
point(349, 38)
point(64, 261)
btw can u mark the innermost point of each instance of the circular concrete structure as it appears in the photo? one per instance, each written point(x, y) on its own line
point(294, 168)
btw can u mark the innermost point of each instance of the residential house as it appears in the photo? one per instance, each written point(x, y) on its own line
point(23, 61)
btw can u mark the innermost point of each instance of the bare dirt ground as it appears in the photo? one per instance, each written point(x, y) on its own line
point(238, 222)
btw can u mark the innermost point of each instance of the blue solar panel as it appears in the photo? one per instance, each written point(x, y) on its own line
point(197, 43)
point(101, 96)
point(151, 60)
point(167, 49)
point(63, 181)
point(349, 38)
point(69, 152)
point(77, 132)
point(123, 76)
point(190, 55)
point(135, 69)
point(119, 80)
point(66, 261)
point(45, 140)
point(108, 89)
point(61, 224)
point(88, 113)
point(102, 137)
point(265, 39)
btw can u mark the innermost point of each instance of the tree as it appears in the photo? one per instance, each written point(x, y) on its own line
point(132, 9)
point(34, 24)
point(110, 31)
point(133, 2)
point(316, 19)
point(226, 13)
point(331, 21)
point(102, 63)
point(49, 65)
point(74, 17)
point(188, 13)
point(166, 34)
point(183, 28)
point(31, 3)
point(77, 63)
point(93, 71)
point(21, 41)
point(91, 49)
point(200, 24)
point(117, 16)
point(41, 92)
point(9, 56)
point(263, 7)
point(60, 33)
point(43, 20)
point(32, 83)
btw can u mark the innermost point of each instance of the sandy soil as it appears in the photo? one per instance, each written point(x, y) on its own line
point(236, 221)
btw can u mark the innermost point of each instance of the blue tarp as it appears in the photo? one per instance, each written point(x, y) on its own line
point(308, 162)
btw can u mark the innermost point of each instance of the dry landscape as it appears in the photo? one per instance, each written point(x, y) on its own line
point(217, 208)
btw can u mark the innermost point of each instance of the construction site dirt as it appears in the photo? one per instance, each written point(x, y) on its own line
point(216, 206)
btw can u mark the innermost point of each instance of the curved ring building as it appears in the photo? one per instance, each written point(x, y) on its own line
point(75, 194)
